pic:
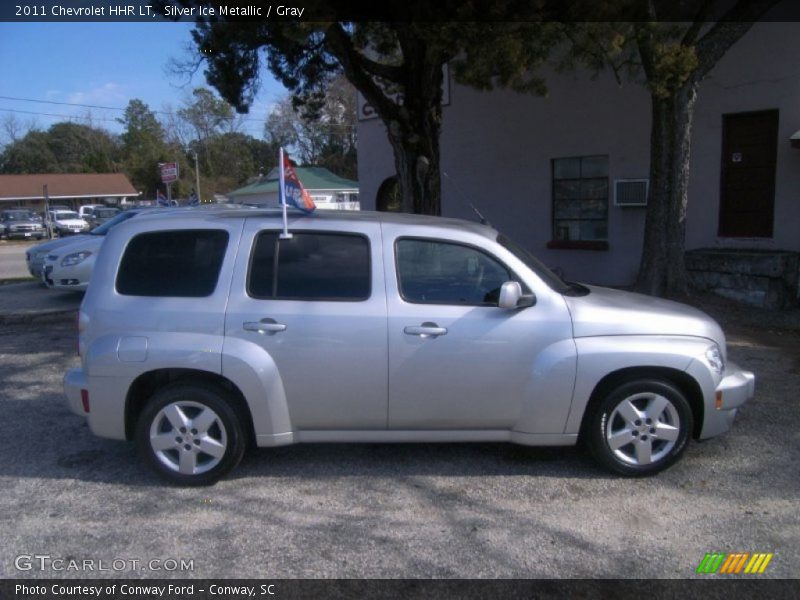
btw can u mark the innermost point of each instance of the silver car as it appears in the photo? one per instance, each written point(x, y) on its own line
point(21, 224)
point(205, 330)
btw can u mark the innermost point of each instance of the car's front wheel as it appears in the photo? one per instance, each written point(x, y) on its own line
point(641, 427)
point(191, 435)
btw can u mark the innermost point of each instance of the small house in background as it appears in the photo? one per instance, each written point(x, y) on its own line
point(64, 189)
point(328, 191)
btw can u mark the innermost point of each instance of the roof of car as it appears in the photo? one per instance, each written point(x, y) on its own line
point(228, 212)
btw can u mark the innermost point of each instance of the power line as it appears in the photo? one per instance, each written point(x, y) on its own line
point(158, 112)
point(251, 131)
point(61, 103)
point(44, 114)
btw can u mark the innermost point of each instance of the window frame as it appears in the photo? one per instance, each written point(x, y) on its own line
point(513, 274)
point(579, 244)
point(276, 233)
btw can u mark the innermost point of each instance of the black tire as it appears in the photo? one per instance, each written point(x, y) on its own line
point(225, 436)
point(613, 421)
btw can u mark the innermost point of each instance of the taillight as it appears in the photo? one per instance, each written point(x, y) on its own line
point(85, 400)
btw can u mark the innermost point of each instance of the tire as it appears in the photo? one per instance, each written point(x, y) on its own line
point(640, 428)
point(191, 435)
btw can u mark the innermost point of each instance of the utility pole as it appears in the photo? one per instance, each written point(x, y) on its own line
point(47, 221)
point(196, 177)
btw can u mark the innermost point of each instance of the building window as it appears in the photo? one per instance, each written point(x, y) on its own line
point(580, 202)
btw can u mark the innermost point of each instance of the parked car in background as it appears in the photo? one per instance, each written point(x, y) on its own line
point(69, 266)
point(35, 256)
point(87, 210)
point(66, 222)
point(206, 331)
point(101, 215)
point(20, 224)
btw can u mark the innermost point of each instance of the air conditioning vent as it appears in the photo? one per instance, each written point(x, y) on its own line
point(630, 192)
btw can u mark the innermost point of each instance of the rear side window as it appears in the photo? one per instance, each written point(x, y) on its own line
point(310, 266)
point(183, 263)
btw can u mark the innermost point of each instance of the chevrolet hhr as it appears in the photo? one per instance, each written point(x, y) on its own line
point(205, 331)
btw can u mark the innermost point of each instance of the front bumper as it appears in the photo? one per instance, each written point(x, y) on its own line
point(25, 235)
point(736, 388)
point(65, 278)
point(74, 382)
point(36, 266)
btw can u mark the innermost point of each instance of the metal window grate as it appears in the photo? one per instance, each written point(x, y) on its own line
point(631, 192)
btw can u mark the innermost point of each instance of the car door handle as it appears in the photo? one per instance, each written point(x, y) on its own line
point(426, 330)
point(268, 326)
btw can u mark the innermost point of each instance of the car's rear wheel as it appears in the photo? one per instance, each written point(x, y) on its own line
point(191, 435)
point(640, 428)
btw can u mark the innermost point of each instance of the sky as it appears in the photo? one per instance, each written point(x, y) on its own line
point(102, 64)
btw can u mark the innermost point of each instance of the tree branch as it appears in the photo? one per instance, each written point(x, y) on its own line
point(341, 46)
point(727, 31)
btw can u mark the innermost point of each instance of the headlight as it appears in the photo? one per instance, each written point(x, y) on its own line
point(71, 260)
point(714, 359)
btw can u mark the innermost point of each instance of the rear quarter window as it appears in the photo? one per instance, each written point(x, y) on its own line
point(180, 263)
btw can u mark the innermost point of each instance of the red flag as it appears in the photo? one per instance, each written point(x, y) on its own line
point(293, 191)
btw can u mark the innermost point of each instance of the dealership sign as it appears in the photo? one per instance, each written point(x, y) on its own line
point(169, 172)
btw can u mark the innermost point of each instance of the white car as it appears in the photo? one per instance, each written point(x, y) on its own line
point(68, 266)
point(72, 266)
point(67, 222)
point(87, 210)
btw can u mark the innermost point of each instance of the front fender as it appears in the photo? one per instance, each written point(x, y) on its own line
point(603, 355)
point(255, 373)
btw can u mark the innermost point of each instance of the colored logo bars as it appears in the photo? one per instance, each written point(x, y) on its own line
point(741, 562)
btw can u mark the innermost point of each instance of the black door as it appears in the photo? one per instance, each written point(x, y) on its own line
point(749, 154)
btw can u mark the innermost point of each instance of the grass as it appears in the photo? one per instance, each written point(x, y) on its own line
point(9, 280)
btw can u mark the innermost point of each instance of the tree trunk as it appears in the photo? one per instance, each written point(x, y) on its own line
point(415, 128)
point(416, 160)
point(662, 271)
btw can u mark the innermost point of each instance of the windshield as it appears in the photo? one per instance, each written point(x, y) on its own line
point(105, 227)
point(66, 214)
point(552, 280)
point(105, 213)
point(18, 215)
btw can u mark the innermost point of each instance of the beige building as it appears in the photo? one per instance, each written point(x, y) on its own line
point(566, 175)
point(67, 189)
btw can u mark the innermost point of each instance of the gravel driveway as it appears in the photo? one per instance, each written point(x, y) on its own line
point(443, 510)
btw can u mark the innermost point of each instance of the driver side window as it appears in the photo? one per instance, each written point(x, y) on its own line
point(438, 272)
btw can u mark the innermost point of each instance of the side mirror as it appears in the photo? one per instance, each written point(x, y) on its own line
point(511, 296)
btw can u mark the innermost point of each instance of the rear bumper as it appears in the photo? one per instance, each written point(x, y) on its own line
point(74, 382)
point(106, 416)
point(736, 388)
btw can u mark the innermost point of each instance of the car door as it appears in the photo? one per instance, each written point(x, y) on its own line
point(457, 360)
point(316, 305)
